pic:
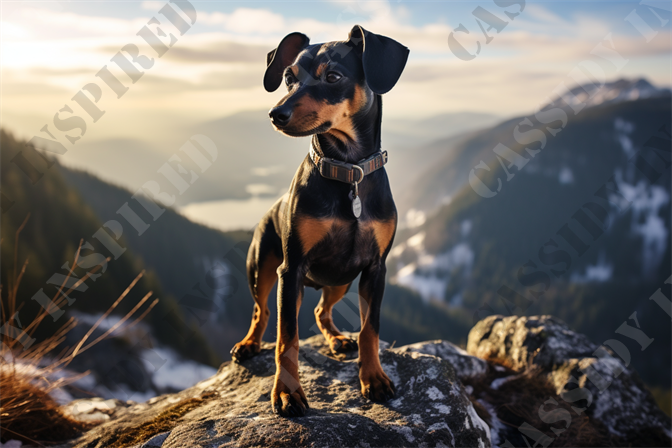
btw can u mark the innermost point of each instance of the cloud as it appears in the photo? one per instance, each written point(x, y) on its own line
point(246, 21)
point(152, 6)
point(219, 52)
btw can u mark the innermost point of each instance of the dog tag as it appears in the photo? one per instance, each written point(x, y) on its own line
point(357, 207)
point(356, 204)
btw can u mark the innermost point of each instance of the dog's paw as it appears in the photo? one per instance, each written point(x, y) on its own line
point(287, 404)
point(245, 350)
point(377, 387)
point(343, 345)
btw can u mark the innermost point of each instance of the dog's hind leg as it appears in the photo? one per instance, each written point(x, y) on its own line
point(337, 341)
point(263, 259)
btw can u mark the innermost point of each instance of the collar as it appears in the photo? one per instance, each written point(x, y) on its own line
point(350, 173)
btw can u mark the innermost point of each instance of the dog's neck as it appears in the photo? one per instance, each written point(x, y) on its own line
point(367, 142)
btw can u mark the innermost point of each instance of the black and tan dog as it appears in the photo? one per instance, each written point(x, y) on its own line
point(338, 219)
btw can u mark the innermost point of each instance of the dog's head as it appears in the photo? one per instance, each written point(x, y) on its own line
point(330, 84)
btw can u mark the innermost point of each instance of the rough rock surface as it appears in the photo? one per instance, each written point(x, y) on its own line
point(232, 408)
point(593, 380)
point(524, 381)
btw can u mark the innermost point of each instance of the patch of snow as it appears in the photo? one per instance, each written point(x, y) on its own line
point(415, 218)
point(496, 384)
point(565, 176)
point(391, 370)
point(437, 426)
point(416, 240)
point(647, 203)
point(465, 227)
point(478, 422)
point(599, 272)
point(220, 272)
point(11, 444)
point(396, 402)
point(123, 393)
point(406, 432)
point(177, 373)
point(497, 425)
point(442, 408)
point(609, 93)
point(623, 129)
point(434, 394)
point(430, 274)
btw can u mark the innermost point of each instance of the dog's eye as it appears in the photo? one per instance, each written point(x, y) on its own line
point(289, 79)
point(333, 77)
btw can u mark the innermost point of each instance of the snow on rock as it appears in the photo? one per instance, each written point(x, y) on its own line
point(466, 366)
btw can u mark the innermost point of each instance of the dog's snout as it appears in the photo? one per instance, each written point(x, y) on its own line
point(280, 115)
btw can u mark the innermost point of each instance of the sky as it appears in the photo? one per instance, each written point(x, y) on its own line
point(50, 50)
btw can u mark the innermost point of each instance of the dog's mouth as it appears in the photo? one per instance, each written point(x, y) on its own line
point(294, 132)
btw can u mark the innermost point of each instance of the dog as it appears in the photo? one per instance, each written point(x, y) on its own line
point(338, 219)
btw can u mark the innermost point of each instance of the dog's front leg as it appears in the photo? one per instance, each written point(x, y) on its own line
point(287, 397)
point(376, 385)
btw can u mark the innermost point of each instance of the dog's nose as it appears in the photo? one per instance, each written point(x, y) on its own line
point(280, 115)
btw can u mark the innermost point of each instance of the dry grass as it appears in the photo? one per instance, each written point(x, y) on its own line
point(27, 411)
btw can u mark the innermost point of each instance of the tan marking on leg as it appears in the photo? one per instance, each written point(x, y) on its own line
point(266, 278)
point(383, 232)
point(287, 393)
point(375, 384)
point(337, 341)
point(312, 231)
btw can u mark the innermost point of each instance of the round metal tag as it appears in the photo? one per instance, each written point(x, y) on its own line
point(357, 207)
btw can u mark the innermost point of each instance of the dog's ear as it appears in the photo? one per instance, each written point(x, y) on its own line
point(282, 57)
point(383, 59)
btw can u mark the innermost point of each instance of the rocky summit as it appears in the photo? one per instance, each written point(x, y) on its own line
point(522, 382)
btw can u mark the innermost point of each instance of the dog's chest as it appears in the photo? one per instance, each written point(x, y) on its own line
point(346, 249)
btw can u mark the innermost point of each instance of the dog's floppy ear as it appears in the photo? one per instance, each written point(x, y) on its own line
point(282, 57)
point(383, 59)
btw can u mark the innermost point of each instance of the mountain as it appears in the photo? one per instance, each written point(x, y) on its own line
point(609, 93)
point(59, 219)
point(452, 158)
point(468, 247)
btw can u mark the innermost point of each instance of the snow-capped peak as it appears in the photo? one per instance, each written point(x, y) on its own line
point(611, 92)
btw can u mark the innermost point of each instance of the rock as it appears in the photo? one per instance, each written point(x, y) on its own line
point(591, 381)
point(465, 365)
point(523, 381)
point(232, 408)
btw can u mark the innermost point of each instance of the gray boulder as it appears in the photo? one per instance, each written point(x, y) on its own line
point(232, 408)
point(586, 380)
